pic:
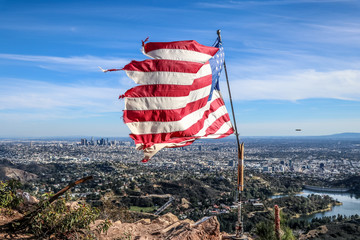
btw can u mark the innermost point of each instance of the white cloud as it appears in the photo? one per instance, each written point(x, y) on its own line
point(83, 63)
point(344, 28)
point(47, 100)
point(303, 84)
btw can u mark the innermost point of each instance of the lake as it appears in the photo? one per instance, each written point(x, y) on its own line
point(350, 204)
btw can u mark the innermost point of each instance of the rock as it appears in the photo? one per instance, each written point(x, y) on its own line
point(207, 228)
point(167, 226)
point(97, 222)
point(314, 233)
point(144, 221)
point(169, 217)
point(185, 203)
point(18, 174)
point(72, 205)
point(27, 198)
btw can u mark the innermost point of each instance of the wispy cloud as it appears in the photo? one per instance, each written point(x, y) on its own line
point(305, 84)
point(343, 33)
point(81, 63)
point(350, 28)
point(39, 27)
point(41, 99)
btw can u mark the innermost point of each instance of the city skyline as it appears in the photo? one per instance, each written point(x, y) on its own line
point(291, 64)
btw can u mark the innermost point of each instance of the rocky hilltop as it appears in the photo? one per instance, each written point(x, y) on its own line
point(167, 226)
point(17, 174)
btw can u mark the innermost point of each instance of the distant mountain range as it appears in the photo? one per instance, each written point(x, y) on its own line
point(348, 135)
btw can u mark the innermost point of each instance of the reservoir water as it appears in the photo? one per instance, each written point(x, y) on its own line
point(350, 204)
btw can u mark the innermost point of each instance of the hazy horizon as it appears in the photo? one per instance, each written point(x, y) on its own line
point(78, 137)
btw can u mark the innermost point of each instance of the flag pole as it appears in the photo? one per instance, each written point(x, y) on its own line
point(240, 177)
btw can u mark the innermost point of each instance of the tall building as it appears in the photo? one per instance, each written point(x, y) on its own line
point(232, 163)
point(84, 142)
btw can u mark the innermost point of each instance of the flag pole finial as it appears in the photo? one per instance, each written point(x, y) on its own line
point(219, 34)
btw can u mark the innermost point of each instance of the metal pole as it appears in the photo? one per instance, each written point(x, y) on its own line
point(240, 187)
point(230, 97)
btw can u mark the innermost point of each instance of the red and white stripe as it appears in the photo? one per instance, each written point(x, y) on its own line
point(180, 50)
point(170, 107)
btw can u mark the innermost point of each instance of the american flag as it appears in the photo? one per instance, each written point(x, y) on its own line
point(178, 99)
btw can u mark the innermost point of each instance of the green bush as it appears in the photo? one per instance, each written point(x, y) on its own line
point(265, 231)
point(63, 222)
point(53, 220)
point(8, 198)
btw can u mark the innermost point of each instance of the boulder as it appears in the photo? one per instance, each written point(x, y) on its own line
point(27, 198)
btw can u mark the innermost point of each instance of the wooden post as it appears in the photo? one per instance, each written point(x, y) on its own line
point(241, 168)
point(71, 185)
point(277, 222)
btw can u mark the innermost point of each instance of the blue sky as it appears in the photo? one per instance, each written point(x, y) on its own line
point(291, 63)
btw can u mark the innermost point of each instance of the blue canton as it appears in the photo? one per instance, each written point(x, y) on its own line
point(216, 64)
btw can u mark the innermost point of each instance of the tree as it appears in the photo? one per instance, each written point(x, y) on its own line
point(265, 231)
